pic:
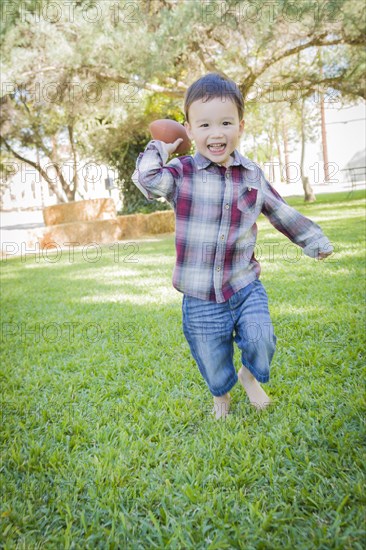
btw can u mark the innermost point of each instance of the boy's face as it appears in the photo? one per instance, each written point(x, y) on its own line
point(215, 127)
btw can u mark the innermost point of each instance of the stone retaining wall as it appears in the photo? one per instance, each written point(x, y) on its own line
point(80, 211)
point(107, 231)
point(82, 223)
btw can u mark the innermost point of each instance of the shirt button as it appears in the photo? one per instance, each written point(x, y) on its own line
point(227, 175)
point(249, 188)
point(222, 237)
point(218, 268)
point(226, 206)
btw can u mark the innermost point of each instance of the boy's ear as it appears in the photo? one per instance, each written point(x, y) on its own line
point(241, 126)
point(188, 130)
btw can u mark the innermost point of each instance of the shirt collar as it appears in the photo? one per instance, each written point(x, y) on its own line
point(203, 162)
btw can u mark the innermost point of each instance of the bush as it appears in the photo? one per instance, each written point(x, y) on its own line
point(133, 200)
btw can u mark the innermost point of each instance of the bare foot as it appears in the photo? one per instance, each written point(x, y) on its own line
point(221, 406)
point(257, 396)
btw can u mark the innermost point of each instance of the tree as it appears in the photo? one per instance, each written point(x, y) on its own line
point(245, 42)
point(308, 190)
point(43, 132)
point(46, 117)
point(130, 52)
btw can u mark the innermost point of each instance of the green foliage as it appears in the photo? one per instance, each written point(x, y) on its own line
point(133, 200)
point(145, 54)
point(159, 106)
point(107, 435)
point(120, 147)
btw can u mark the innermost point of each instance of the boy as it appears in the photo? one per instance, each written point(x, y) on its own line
point(217, 196)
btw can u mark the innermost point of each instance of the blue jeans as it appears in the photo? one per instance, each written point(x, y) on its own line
point(211, 329)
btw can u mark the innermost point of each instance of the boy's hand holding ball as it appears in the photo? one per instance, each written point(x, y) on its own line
point(172, 133)
point(171, 147)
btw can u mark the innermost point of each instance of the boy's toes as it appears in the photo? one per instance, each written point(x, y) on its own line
point(221, 406)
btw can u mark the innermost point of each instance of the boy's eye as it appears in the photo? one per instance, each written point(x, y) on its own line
point(205, 124)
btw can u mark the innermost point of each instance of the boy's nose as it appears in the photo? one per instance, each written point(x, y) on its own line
point(216, 132)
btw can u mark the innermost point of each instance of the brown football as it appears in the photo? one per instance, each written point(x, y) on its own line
point(168, 130)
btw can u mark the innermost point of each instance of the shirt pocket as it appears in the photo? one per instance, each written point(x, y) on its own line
point(247, 200)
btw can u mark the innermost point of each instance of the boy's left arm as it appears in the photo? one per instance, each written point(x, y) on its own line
point(299, 229)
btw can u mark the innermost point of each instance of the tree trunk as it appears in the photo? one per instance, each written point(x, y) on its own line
point(278, 145)
point(54, 187)
point(324, 139)
point(271, 172)
point(308, 190)
point(322, 119)
point(285, 144)
point(75, 179)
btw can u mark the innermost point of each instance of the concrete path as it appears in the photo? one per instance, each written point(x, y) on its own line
point(28, 219)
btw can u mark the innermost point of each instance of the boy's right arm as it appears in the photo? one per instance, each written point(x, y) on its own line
point(152, 176)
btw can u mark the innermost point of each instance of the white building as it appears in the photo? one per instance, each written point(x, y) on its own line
point(27, 189)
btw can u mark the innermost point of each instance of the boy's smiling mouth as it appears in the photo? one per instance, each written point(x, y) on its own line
point(216, 147)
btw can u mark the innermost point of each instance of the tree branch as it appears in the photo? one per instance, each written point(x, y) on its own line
point(319, 85)
point(178, 88)
point(35, 165)
point(317, 41)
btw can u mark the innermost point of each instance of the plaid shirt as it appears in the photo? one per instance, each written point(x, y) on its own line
point(216, 209)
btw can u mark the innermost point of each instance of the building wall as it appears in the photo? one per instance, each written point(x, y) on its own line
point(26, 189)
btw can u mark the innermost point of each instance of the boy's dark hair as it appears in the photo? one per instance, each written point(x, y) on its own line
point(214, 85)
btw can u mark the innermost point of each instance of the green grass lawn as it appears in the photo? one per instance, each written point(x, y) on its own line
point(107, 435)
